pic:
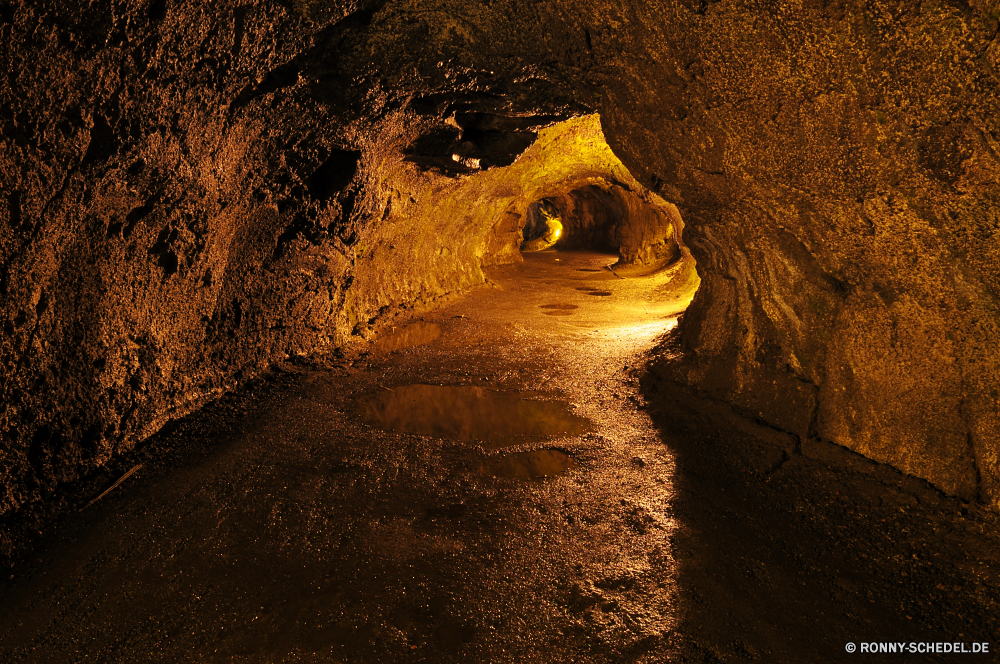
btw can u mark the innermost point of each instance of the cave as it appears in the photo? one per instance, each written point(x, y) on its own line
point(376, 330)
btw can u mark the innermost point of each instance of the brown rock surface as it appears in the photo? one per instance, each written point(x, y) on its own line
point(191, 193)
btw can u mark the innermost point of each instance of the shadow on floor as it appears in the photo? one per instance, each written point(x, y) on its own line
point(787, 551)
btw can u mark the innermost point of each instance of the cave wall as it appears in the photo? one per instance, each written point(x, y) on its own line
point(651, 236)
point(146, 260)
point(838, 177)
point(191, 192)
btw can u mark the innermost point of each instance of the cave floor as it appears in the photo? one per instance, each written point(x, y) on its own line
point(318, 516)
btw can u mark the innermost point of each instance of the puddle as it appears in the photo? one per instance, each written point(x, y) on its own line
point(527, 465)
point(599, 293)
point(559, 309)
point(471, 413)
point(415, 334)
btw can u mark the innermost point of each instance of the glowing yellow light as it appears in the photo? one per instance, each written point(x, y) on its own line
point(553, 231)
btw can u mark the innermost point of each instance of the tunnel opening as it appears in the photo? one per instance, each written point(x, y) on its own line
point(542, 227)
point(567, 191)
point(588, 218)
point(578, 242)
point(639, 232)
point(574, 242)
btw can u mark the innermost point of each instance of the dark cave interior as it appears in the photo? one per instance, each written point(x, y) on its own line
point(729, 304)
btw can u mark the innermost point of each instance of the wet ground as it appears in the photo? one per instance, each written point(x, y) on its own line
point(492, 483)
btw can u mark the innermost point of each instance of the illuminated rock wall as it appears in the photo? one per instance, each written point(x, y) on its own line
point(641, 227)
point(836, 165)
point(192, 192)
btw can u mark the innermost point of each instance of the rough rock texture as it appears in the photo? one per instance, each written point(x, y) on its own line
point(437, 233)
point(178, 257)
point(839, 174)
point(190, 192)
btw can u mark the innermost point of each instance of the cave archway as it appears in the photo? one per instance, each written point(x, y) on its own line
point(592, 218)
point(543, 227)
point(606, 217)
point(460, 220)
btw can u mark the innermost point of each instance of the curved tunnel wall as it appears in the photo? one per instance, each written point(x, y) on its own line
point(190, 195)
point(592, 217)
point(610, 216)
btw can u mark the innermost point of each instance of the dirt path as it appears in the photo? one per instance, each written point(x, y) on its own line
point(498, 493)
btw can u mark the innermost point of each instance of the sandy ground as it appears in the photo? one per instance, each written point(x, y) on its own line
point(492, 482)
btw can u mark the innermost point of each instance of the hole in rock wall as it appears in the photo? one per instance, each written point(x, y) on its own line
point(565, 190)
point(570, 242)
point(543, 228)
point(607, 217)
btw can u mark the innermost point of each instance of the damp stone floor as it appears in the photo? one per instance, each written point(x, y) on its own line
point(491, 482)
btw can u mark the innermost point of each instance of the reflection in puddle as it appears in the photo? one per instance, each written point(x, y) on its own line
point(527, 465)
point(411, 335)
point(559, 309)
point(471, 413)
